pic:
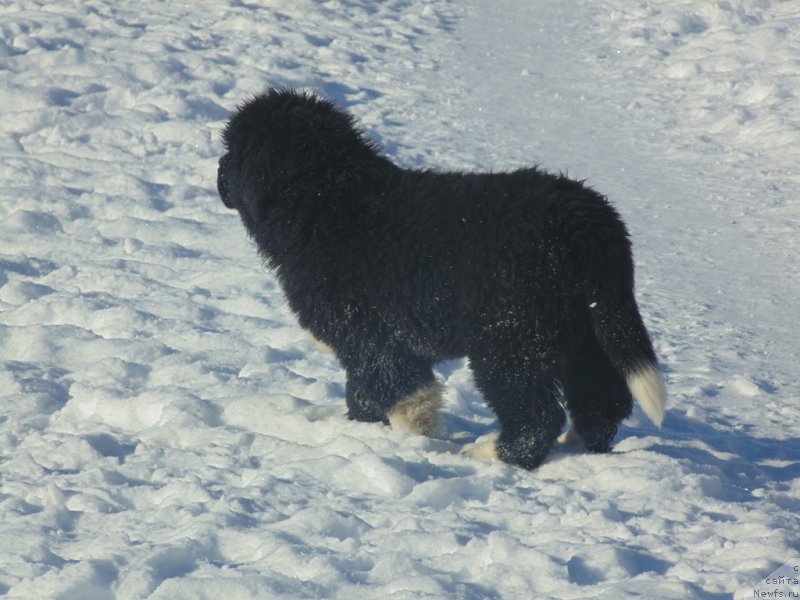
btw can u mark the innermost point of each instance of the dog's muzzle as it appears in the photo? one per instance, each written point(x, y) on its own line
point(223, 180)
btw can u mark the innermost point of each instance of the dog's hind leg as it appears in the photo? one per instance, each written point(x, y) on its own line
point(596, 395)
point(524, 398)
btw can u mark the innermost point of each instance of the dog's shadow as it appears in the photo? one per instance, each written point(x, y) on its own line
point(730, 454)
point(743, 464)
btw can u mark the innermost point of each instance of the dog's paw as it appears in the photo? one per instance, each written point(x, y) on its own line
point(319, 344)
point(570, 438)
point(484, 448)
point(419, 412)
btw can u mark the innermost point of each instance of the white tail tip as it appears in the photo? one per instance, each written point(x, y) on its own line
point(647, 386)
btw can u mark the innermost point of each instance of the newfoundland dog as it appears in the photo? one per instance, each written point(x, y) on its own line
point(526, 273)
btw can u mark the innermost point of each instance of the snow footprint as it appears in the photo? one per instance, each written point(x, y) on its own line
point(745, 386)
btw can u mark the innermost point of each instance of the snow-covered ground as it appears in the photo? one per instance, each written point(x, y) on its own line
point(166, 430)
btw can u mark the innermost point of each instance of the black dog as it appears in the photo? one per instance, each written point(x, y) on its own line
point(527, 274)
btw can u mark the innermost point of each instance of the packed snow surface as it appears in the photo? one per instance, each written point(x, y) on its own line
point(168, 431)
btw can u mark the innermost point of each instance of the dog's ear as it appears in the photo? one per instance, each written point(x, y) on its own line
point(255, 180)
point(318, 135)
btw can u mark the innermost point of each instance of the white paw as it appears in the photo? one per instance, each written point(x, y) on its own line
point(419, 412)
point(570, 437)
point(319, 344)
point(484, 448)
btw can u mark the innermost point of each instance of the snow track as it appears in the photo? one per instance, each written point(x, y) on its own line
point(167, 431)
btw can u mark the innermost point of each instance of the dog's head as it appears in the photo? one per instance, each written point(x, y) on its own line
point(224, 173)
point(285, 146)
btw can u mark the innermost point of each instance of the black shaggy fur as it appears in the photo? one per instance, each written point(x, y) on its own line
point(526, 273)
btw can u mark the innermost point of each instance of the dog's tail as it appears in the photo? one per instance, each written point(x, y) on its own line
point(600, 252)
point(622, 335)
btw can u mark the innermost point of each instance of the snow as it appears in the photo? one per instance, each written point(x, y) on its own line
point(167, 431)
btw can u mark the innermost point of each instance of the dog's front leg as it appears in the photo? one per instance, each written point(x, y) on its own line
point(393, 386)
